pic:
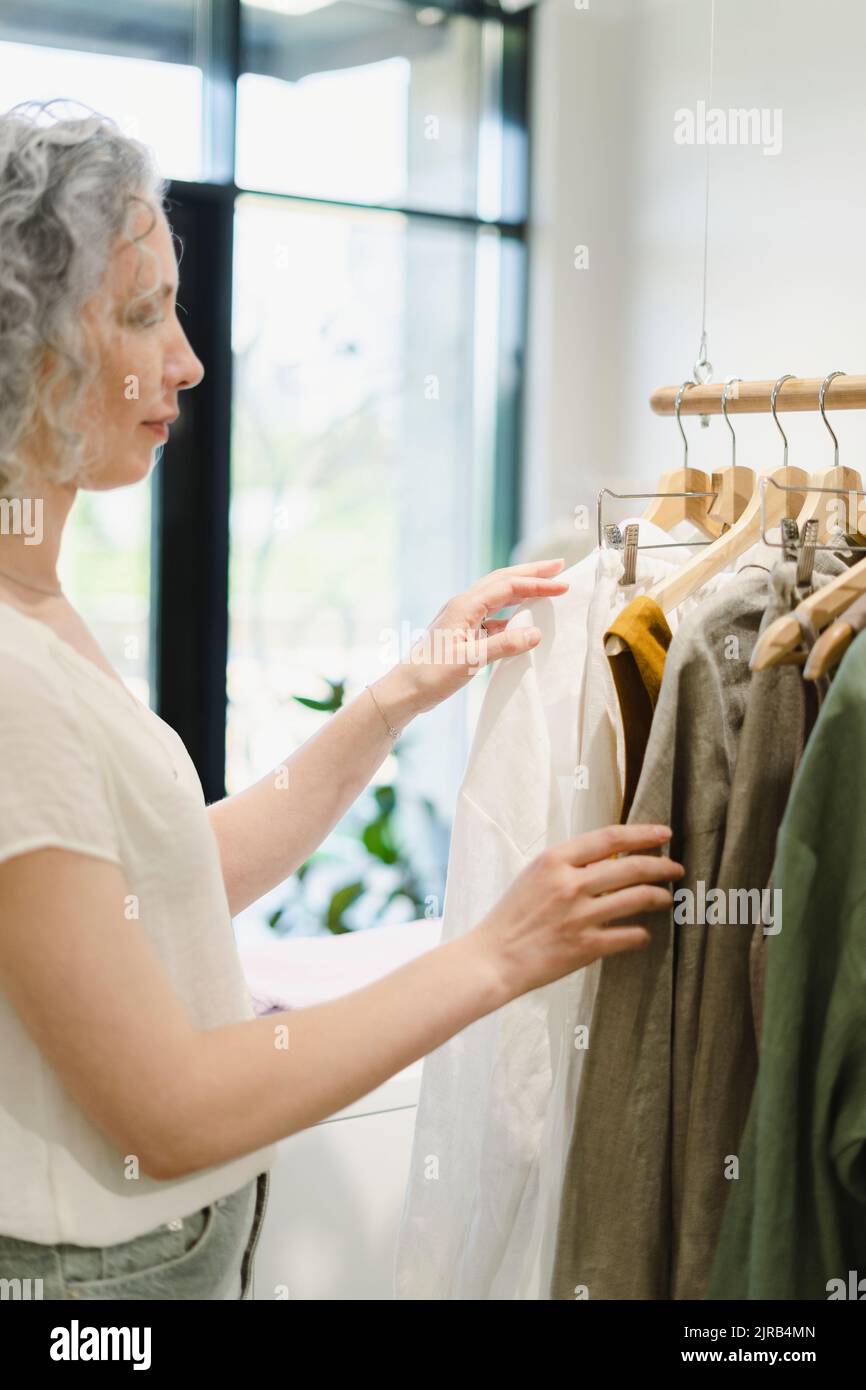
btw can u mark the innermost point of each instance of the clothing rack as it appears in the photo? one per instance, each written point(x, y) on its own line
point(801, 547)
point(753, 397)
point(788, 392)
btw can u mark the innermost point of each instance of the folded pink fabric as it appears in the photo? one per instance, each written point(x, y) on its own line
point(294, 972)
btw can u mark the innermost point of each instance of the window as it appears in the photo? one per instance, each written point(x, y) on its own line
point(357, 419)
point(349, 183)
point(376, 334)
point(105, 570)
point(140, 65)
point(140, 69)
point(371, 103)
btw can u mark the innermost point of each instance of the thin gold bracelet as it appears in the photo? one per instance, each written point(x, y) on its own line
point(395, 733)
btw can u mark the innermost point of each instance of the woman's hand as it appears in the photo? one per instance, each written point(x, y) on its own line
point(556, 915)
point(455, 645)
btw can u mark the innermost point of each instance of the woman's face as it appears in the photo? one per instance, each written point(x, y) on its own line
point(145, 358)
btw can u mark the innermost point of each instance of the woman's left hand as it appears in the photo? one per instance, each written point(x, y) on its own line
point(455, 645)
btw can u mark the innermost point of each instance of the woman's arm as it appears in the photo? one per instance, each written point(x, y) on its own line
point(97, 1001)
point(267, 831)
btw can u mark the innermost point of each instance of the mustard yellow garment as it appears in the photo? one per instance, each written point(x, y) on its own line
point(637, 674)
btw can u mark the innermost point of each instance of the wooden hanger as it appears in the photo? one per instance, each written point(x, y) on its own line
point(670, 592)
point(783, 636)
point(733, 487)
point(736, 484)
point(730, 487)
point(668, 511)
point(833, 643)
point(819, 505)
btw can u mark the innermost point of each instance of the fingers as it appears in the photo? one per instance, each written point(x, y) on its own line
point(529, 567)
point(610, 874)
point(611, 839)
point(496, 592)
point(611, 941)
point(627, 902)
point(519, 639)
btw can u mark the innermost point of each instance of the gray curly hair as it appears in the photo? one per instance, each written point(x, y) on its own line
point(68, 189)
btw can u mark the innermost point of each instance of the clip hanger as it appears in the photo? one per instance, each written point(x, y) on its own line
point(806, 560)
point(629, 573)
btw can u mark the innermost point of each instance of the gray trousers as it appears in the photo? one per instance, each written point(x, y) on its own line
point(208, 1255)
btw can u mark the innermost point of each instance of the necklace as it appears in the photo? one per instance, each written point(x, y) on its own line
point(37, 588)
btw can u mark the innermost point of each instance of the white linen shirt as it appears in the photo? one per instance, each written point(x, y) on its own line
point(496, 1103)
point(87, 767)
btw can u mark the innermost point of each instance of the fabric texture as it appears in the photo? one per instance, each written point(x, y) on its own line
point(87, 767)
point(497, 1102)
point(637, 642)
point(672, 1055)
point(795, 1225)
point(765, 785)
point(599, 789)
point(545, 763)
point(204, 1256)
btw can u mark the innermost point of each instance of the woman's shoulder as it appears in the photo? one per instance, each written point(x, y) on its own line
point(28, 659)
point(46, 731)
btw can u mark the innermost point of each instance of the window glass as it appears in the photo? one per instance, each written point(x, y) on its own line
point(377, 364)
point(373, 103)
point(363, 438)
point(105, 570)
point(137, 66)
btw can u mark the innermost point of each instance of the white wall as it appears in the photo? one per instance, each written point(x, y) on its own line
point(787, 251)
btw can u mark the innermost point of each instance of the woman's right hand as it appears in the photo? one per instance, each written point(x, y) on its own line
point(555, 916)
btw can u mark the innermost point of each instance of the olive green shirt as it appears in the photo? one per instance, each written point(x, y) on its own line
point(795, 1224)
point(672, 1053)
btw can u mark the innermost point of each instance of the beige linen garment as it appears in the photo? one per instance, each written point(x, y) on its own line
point(671, 1061)
point(496, 1101)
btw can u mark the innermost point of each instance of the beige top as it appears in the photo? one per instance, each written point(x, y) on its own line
point(87, 767)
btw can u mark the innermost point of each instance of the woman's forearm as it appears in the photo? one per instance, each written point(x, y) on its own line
point(252, 1083)
point(267, 831)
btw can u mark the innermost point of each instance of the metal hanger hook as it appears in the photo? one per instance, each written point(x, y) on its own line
point(824, 384)
point(685, 387)
point(729, 382)
point(789, 376)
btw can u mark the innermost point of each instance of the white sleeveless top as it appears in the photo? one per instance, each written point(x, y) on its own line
point(86, 766)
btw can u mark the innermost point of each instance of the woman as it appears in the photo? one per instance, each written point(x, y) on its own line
point(141, 1100)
